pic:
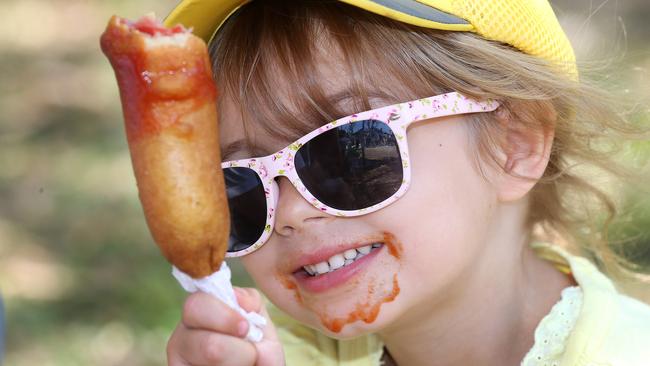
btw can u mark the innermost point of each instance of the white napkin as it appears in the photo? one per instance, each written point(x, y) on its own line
point(218, 284)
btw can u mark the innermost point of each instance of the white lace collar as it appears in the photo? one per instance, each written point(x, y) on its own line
point(554, 329)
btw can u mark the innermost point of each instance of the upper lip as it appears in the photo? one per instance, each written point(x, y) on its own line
point(323, 254)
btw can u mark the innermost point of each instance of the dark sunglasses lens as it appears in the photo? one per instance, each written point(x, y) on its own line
point(247, 204)
point(352, 166)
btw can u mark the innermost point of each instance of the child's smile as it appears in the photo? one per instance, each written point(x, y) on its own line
point(339, 293)
point(335, 270)
point(340, 260)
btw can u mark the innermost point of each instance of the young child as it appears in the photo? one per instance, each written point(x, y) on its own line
point(404, 235)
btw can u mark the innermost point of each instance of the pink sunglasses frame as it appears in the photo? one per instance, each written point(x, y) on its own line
point(398, 117)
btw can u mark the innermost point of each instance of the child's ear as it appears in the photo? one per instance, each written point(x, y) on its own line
point(526, 150)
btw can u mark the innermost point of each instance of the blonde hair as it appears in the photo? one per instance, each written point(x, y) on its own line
point(269, 45)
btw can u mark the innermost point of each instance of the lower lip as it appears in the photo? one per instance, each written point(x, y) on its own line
point(330, 280)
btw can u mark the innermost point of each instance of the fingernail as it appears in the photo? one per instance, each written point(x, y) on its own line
point(242, 328)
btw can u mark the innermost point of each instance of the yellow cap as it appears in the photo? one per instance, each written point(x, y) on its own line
point(528, 25)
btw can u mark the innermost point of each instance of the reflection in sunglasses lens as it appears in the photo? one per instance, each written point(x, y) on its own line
point(353, 166)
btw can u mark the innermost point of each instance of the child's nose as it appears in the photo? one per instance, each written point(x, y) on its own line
point(293, 213)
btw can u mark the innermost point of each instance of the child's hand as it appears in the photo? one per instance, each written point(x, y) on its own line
point(211, 333)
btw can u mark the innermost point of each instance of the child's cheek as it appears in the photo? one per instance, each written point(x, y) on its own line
point(359, 300)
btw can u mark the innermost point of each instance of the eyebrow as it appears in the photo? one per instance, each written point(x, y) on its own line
point(233, 148)
point(348, 94)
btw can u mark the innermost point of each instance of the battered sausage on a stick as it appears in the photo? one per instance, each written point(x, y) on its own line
point(169, 102)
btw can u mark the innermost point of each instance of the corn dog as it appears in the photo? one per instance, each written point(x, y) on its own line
point(169, 104)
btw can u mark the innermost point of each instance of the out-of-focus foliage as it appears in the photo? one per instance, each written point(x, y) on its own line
point(82, 281)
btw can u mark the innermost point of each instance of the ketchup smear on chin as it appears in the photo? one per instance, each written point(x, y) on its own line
point(367, 308)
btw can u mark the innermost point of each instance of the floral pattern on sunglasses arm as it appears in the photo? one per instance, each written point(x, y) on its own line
point(396, 117)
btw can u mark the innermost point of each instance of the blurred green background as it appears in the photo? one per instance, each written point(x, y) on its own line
point(82, 281)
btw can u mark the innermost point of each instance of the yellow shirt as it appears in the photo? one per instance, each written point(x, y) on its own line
point(611, 329)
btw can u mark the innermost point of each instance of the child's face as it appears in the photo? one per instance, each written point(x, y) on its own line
point(431, 239)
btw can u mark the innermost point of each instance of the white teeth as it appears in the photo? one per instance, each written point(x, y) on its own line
point(339, 260)
point(322, 267)
point(364, 250)
point(350, 253)
point(336, 261)
point(311, 269)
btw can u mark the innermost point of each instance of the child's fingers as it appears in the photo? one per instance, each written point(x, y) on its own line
point(249, 299)
point(203, 311)
point(269, 350)
point(269, 330)
point(206, 321)
point(196, 347)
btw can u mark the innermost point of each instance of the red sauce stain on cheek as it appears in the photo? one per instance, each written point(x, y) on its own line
point(366, 311)
point(291, 286)
point(366, 293)
point(394, 247)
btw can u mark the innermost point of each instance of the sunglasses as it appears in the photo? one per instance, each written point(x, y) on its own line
point(349, 167)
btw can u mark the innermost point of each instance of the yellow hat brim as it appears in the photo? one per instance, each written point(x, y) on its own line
point(531, 26)
point(205, 17)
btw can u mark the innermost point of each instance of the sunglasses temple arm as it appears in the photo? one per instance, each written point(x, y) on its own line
point(437, 112)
